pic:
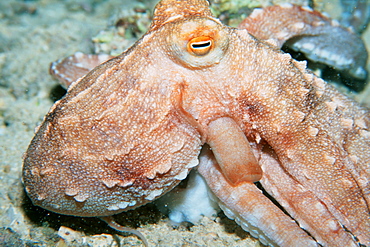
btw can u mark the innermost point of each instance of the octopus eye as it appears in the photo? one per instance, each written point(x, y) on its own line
point(200, 46)
point(197, 43)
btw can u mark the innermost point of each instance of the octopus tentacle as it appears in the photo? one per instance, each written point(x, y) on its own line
point(113, 224)
point(74, 67)
point(295, 198)
point(251, 209)
point(309, 31)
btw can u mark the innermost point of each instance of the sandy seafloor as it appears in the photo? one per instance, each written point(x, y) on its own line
point(33, 34)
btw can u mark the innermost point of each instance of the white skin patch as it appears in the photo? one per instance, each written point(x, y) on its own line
point(153, 194)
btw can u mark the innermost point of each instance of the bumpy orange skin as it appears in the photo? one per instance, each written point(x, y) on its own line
point(133, 127)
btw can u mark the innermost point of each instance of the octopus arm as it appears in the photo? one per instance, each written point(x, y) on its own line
point(311, 33)
point(74, 67)
point(251, 209)
point(302, 204)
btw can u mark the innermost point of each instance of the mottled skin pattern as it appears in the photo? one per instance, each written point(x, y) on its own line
point(132, 128)
point(312, 35)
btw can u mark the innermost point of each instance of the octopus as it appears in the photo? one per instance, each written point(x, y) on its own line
point(285, 153)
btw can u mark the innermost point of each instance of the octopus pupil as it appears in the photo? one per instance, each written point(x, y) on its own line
point(201, 45)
